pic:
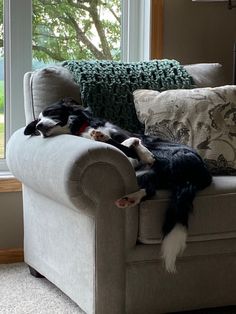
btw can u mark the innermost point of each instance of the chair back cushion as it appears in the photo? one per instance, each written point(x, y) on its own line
point(207, 74)
point(46, 86)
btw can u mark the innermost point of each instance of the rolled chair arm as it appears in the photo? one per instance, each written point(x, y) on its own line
point(77, 172)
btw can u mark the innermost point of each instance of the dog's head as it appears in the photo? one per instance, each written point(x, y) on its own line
point(63, 117)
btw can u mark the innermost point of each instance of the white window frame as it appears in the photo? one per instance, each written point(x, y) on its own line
point(135, 46)
point(135, 34)
point(17, 60)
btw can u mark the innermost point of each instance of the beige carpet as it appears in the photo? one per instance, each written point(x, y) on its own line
point(21, 293)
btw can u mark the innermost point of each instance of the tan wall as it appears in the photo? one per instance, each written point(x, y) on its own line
point(11, 220)
point(199, 32)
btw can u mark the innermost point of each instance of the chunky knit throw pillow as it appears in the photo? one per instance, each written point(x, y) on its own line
point(107, 86)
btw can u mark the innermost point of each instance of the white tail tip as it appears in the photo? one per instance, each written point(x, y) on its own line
point(173, 245)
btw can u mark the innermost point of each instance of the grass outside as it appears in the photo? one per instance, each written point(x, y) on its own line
point(1, 96)
point(1, 136)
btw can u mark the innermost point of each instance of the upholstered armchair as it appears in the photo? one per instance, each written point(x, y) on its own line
point(107, 259)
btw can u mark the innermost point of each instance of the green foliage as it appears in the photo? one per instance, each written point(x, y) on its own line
point(73, 29)
point(1, 27)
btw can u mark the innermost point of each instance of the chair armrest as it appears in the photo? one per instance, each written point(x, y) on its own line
point(74, 171)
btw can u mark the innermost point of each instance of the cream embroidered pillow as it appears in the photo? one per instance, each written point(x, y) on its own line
point(203, 118)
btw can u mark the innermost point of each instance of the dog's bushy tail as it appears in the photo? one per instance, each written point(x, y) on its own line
point(175, 224)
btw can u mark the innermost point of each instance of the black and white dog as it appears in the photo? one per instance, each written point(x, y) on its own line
point(158, 164)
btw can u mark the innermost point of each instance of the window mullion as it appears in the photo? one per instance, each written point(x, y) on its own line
point(135, 30)
point(18, 59)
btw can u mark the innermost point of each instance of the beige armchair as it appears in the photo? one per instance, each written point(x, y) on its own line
point(107, 259)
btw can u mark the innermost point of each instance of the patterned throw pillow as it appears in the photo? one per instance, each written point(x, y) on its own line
point(203, 118)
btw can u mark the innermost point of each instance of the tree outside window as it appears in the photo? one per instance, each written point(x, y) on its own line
point(76, 29)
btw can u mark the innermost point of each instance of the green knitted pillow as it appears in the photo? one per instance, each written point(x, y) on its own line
point(107, 86)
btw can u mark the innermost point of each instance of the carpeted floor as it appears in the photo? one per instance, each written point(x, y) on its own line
point(21, 293)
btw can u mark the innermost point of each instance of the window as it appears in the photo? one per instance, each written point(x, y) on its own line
point(17, 60)
point(126, 33)
point(65, 30)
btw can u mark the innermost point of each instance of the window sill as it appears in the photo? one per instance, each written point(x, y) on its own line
point(9, 184)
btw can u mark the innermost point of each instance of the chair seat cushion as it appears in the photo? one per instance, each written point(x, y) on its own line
point(214, 215)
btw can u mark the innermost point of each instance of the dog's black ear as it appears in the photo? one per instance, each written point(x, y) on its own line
point(30, 129)
point(76, 109)
point(70, 102)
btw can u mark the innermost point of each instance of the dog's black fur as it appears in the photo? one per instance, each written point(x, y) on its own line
point(177, 167)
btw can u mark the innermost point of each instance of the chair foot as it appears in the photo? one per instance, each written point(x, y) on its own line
point(35, 273)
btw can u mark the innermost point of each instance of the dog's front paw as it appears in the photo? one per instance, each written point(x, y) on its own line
point(97, 135)
point(144, 154)
point(132, 141)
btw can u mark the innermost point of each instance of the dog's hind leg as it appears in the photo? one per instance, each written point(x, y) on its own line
point(146, 181)
point(175, 224)
point(130, 200)
point(189, 174)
